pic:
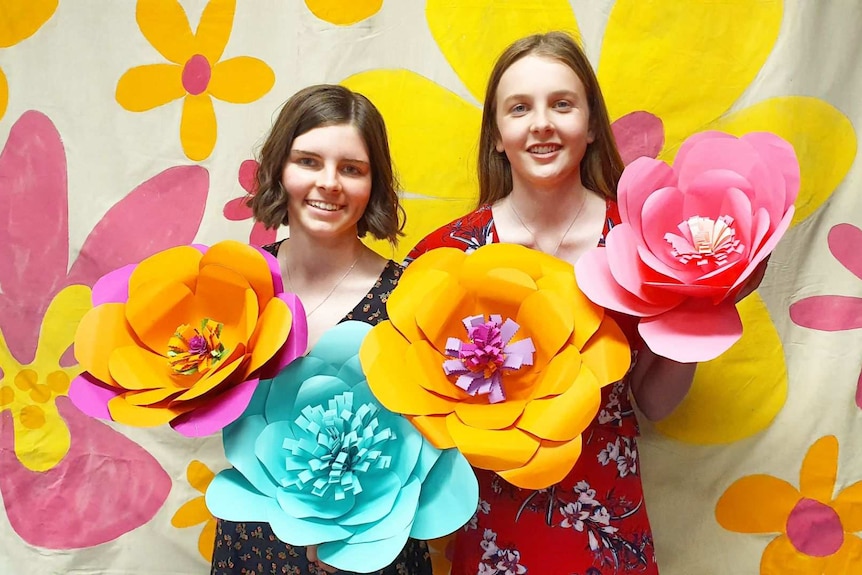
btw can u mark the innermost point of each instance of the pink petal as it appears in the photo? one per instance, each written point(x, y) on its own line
point(237, 210)
point(662, 213)
point(693, 331)
point(92, 396)
point(260, 236)
point(297, 341)
point(779, 153)
point(630, 272)
point(222, 410)
point(106, 486)
point(705, 195)
point(765, 249)
point(163, 212)
point(859, 392)
point(638, 134)
point(113, 287)
point(248, 176)
point(640, 179)
point(34, 236)
point(845, 243)
point(828, 312)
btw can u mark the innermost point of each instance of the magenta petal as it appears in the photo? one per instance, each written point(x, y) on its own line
point(237, 210)
point(638, 134)
point(779, 153)
point(828, 312)
point(113, 287)
point(628, 270)
point(640, 179)
point(214, 416)
point(91, 396)
point(845, 243)
point(297, 341)
point(694, 331)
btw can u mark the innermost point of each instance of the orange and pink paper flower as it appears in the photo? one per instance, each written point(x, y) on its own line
point(692, 234)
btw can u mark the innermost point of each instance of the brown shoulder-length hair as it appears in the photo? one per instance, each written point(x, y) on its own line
point(329, 105)
point(601, 166)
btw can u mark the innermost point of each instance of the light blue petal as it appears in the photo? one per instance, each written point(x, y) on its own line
point(305, 531)
point(239, 449)
point(231, 497)
point(400, 518)
point(269, 451)
point(307, 505)
point(451, 486)
point(379, 492)
point(282, 395)
point(427, 458)
point(318, 390)
point(340, 343)
point(363, 557)
point(351, 372)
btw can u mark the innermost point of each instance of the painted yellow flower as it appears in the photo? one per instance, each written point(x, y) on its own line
point(344, 12)
point(20, 20)
point(196, 72)
point(42, 438)
point(667, 69)
point(816, 530)
point(194, 511)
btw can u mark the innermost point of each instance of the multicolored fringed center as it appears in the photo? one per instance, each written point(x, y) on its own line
point(704, 241)
point(480, 361)
point(192, 350)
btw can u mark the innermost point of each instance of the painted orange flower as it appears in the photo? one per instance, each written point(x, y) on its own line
point(194, 511)
point(499, 354)
point(196, 72)
point(816, 529)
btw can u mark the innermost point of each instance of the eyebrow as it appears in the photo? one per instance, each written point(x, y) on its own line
point(316, 155)
point(556, 94)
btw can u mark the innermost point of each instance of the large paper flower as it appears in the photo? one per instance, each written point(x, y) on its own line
point(691, 236)
point(477, 317)
point(181, 337)
point(816, 529)
point(317, 457)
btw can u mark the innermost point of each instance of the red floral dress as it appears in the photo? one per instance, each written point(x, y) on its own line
point(594, 521)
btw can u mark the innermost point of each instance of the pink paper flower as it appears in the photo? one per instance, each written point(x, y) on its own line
point(691, 236)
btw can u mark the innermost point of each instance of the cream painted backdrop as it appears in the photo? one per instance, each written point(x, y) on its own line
point(122, 133)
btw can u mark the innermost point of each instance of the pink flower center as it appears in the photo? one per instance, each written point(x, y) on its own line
point(484, 353)
point(196, 75)
point(706, 242)
point(815, 529)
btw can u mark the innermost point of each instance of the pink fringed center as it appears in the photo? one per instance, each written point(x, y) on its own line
point(704, 241)
point(481, 360)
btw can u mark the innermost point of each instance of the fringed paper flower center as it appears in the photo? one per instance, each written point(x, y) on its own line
point(192, 350)
point(341, 443)
point(704, 241)
point(481, 359)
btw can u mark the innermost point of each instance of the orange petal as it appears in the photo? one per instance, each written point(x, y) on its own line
point(607, 354)
point(550, 465)
point(191, 513)
point(563, 417)
point(495, 450)
point(560, 373)
point(136, 368)
point(102, 330)
point(541, 317)
point(210, 381)
point(165, 25)
point(198, 128)
point(819, 470)
point(224, 296)
point(848, 505)
point(180, 264)
point(848, 559)
point(480, 414)
point(781, 558)
point(199, 475)
point(273, 328)
point(124, 412)
point(408, 299)
point(246, 261)
point(427, 365)
point(157, 309)
point(588, 318)
point(443, 311)
point(214, 28)
point(756, 504)
point(146, 87)
point(151, 396)
point(435, 430)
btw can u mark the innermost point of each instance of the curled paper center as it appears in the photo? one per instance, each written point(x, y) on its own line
point(192, 350)
point(480, 361)
point(705, 242)
point(815, 529)
point(337, 445)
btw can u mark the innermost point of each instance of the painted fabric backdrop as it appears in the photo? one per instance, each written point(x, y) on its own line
point(128, 127)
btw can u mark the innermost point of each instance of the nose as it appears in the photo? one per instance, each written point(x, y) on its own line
point(541, 121)
point(327, 179)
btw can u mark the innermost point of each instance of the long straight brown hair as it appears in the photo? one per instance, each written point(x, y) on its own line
point(601, 165)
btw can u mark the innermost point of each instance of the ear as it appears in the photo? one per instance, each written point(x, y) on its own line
point(591, 137)
point(499, 146)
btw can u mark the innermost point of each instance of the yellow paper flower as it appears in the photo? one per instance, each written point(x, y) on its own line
point(816, 530)
point(690, 63)
point(194, 512)
point(344, 12)
point(196, 72)
point(456, 357)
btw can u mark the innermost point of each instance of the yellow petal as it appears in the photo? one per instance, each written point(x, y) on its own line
point(739, 393)
point(8, 364)
point(199, 475)
point(781, 558)
point(496, 450)
point(20, 19)
point(206, 541)
point(607, 353)
point(565, 416)
point(165, 25)
point(4, 93)
point(180, 264)
point(819, 470)
point(146, 87)
point(128, 414)
point(343, 13)
point(472, 34)
point(245, 260)
point(756, 504)
point(214, 29)
point(102, 330)
point(551, 463)
point(191, 513)
point(40, 447)
point(271, 332)
point(848, 506)
point(61, 320)
point(848, 559)
point(198, 127)
point(671, 51)
point(241, 80)
point(434, 428)
point(823, 137)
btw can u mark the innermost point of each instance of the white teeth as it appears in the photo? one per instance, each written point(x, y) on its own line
point(323, 205)
point(546, 149)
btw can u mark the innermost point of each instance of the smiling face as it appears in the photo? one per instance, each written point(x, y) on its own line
point(543, 119)
point(327, 178)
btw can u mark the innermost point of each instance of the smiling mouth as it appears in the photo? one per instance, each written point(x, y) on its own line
point(544, 148)
point(325, 206)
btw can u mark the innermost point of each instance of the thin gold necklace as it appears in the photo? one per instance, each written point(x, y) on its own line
point(331, 291)
point(565, 233)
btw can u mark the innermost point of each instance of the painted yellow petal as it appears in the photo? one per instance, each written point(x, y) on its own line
point(8, 364)
point(198, 127)
point(61, 320)
point(671, 50)
point(848, 506)
point(819, 470)
point(4, 93)
point(199, 475)
point(146, 87)
point(781, 558)
point(165, 25)
point(206, 541)
point(20, 19)
point(42, 438)
point(848, 559)
point(472, 34)
point(823, 137)
point(191, 513)
point(739, 393)
point(241, 80)
point(214, 29)
point(343, 13)
point(756, 504)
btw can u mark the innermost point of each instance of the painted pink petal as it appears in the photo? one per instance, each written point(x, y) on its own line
point(237, 210)
point(630, 272)
point(219, 412)
point(694, 331)
point(779, 153)
point(106, 486)
point(640, 179)
point(260, 236)
point(34, 236)
point(297, 341)
point(91, 396)
point(845, 243)
point(828, 312)
point(859, 392)
point(163, 212)
point(248, 176)
point(638, 134)
point(113, 287)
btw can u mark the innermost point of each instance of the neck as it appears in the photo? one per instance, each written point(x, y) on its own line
point(549, 206)
point(310, 260)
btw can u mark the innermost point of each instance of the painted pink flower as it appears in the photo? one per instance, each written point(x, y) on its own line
point(836, 312)
point(238, 210)
point(691, 236)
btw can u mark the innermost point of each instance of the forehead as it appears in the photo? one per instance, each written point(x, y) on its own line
point(338, 140)
point(537, 75)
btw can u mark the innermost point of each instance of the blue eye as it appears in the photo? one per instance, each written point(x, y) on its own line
point(518, 109)
point(562, 104)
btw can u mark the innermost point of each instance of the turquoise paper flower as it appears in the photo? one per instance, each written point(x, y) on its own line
point(324, 463)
